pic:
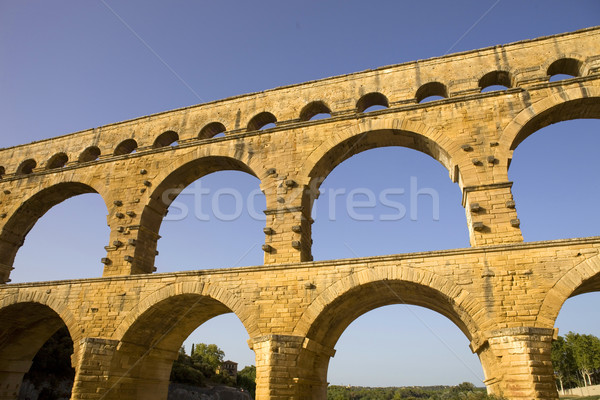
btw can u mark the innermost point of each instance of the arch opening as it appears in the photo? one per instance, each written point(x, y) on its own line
point(379, 196)
point(578, 324)
point(431, 91)
point(91, 153)
point(26, 167)
point(405, 345)
point(557, 200)
point(372, 102)
point(55, 224)
point(495, 80)
point(127, 146)
point(315, 110)
point(261, 121)
point(212, 129)
point(2, 172)
point(351, 305)
point(210, 214)
point(35, 335)
point(57, 161)
point(387, 201)
point(156, 340)
point(168, 138)
point(564, 68)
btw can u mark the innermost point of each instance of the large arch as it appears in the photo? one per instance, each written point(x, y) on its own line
point(381, 133)
point(152, 334)
point(182, 173)
point(28, 321)
point(22, 220)
point(362, 291)
point(581, 278)
point(567, 104)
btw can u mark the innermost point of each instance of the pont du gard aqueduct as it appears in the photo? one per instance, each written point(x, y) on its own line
point(128, 325)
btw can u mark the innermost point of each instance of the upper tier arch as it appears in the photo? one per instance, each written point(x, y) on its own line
point(571, 103)
point(380, 133)
point(22, 219)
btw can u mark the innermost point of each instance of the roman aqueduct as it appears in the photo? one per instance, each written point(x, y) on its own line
point(128, 325)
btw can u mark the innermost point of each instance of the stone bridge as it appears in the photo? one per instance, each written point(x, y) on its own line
point(128, 325)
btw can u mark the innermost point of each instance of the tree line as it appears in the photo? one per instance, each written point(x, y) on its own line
point(463, 391)
point(576, 360)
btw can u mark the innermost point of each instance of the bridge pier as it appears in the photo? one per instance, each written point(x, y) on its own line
point(11, 377)
point(93, 372)
point(491, 214)
point(290, 367)
point(517, 363)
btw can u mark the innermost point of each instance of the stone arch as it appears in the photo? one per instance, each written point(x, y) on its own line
point(431, 89)
point(125, 147)
point(219, 294)
point(582, 278)
point(260, 120)
point(89, 154)
point(26, 167)
point(380, 133)
point(166, 138)
point(567, 65)
point(568, 104)
point(370, 100)
point(58, 160)
point(177, 176)
point(153, 332)
point(210, 130)
point(22, 220)
point(371, 288)
point(498, 77)
point(330, 313)
point(314, 108)
point(28, 321)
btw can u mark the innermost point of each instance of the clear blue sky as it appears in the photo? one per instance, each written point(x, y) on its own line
point(71, 65)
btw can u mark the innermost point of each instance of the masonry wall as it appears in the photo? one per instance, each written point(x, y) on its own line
point(128, 325)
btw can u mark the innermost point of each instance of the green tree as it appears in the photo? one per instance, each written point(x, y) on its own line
point(586, 352)
point(246, 379)
point(208, 356)
point(563, 362)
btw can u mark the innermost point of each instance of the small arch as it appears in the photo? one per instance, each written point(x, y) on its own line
point(495, 80)
point(431, 91)
point(261, 120)
point(57, 161)
point(564, 68)
point(90, 154)
point(2, 172)
point(313, 109)
point(26, 167)
point(371, 99)
point(125, 147)
point(211, 130)
point(168, 138)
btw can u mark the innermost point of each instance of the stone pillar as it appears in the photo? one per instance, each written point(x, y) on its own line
point(288, 225)
point(290, 367)
point(114, 370)
point(93, 370)
point(132, 246)
point(517, 363)
point(491, 214)
point(11, 377)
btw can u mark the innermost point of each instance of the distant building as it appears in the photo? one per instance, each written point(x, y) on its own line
point(229, 368)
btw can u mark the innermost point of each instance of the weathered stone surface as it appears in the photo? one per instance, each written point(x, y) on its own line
point(129, 324)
